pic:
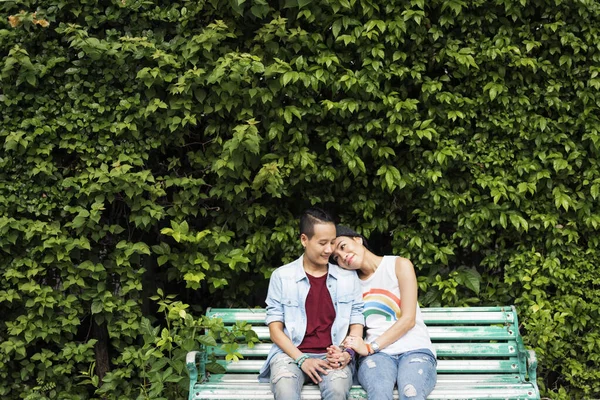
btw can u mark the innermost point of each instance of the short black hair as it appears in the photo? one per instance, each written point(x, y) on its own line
point(312, 216)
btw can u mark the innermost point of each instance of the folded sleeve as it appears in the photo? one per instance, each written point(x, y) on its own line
point(274, 306)
point(357, 317)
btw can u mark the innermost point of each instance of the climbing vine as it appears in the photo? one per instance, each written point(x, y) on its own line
point(149, 145)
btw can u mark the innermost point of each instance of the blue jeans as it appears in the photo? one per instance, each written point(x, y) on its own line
point(414, 372)
point(287, 379)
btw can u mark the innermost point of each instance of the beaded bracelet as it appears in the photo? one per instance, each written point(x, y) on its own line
point(300, 360)
point(351, 352)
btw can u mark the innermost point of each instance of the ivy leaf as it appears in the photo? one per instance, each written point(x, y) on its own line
point(470, 278)
point(595, 190)
point(303, 3)
point(215, 368)
point(207, 340)
point(96, 307)
point(336, 27)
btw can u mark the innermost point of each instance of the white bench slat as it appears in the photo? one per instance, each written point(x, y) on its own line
point(441, 333)
point(480, 315)
point(244, 379)
point(444, 366)
point(445, 349)
point(311, 392)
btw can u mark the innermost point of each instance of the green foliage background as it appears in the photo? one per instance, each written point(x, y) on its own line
point(158, 144)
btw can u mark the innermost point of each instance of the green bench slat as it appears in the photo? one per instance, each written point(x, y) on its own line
point(504, 349)
point(311, 392)
point(443, 379)
point(438, 333)
point(431, 316)
point(444, 366)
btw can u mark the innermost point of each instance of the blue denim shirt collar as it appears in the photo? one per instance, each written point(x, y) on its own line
point(301, 274)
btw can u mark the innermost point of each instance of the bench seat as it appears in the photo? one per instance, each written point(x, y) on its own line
point(480, 356)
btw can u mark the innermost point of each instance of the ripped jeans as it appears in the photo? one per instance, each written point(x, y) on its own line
point(414, 372)
point(287, 379)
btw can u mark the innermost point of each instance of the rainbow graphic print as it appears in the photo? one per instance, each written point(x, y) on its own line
point(382, 302)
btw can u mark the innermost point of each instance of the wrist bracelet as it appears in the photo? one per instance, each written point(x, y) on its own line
point(300, 360)
point(351, 352)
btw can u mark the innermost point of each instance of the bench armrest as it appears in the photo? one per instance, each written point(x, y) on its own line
point(195, 361)
point(532, 370)
point(531, 365)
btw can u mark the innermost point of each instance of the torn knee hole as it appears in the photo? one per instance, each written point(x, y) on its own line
point(410, 391)
point(338, 374)
point(282, 374)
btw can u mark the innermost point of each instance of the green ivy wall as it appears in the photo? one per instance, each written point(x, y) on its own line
point(150, 144)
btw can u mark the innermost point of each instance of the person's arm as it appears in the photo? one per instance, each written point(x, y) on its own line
point(275, 320)
point(407, 281)
point(336, 357)
point(313, 367)
point(356, 330)
point(282, 340)
point(357, 319)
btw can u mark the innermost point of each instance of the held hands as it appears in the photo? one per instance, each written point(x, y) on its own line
point(337, 358)
point(357, 344)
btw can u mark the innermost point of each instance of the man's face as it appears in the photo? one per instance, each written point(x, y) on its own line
point(318, 248)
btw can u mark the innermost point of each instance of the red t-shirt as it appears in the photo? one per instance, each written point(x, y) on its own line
point(320, 315)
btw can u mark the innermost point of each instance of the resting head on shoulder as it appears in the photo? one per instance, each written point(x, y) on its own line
point(350, 252)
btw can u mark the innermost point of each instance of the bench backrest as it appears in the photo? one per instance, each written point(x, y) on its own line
point(470, 340)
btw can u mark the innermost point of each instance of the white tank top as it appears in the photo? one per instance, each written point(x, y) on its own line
point(382, 298)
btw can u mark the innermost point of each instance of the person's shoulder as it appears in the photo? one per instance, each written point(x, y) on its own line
point(341, 271)
point(402, 260)
point(402, 264)
point(287, 269)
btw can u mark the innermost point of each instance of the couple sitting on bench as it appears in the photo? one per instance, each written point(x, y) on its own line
point(318, 305)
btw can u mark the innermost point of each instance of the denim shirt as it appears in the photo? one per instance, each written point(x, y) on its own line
point(286, 299)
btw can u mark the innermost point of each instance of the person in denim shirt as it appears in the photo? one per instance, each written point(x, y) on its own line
point(311, 307)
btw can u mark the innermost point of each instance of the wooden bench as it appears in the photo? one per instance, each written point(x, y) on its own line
point(480, 352)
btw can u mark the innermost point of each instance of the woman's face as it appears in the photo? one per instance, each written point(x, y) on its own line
point(348, 252)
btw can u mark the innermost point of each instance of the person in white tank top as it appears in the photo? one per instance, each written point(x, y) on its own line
point(396, 350)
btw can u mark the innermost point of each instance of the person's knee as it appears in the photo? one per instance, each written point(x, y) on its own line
point(409, 391)
point(337, 385)
point(377, 376)
point(378, 389)
point(419, 378)
point(286, 383)
point(283, 373)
